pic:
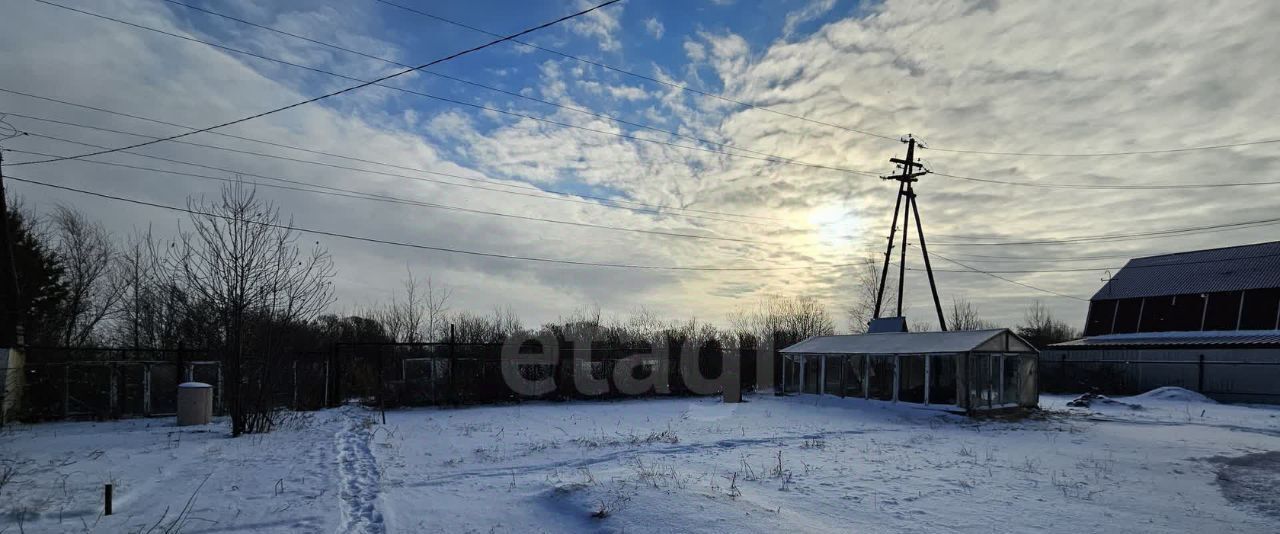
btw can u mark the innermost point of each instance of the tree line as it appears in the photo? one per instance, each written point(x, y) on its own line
point(238, 282)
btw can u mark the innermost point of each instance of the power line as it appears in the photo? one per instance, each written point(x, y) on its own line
point(1130, 236)
point(1010, 280)
point(327, 95)
point(1046, 185)
point(763, 156)
point(361, 194)
point(651, 208)
point(1106, 154)
point(978, 258)
point(588, 112)
point(420, 246)
point(1090, 269)
point(642, 76)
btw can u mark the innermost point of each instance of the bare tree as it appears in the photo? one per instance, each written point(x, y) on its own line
point(88, 257)
point(495, 328)
point(143, 314)
point(919, 325)
point(421, 316)
point(784, 320)
point(861, 311)
point(242, 261)
point(964, 316)
point(1041, 328)
point(506, 321)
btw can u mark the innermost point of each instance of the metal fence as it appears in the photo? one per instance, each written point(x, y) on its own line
point(62, 382)
point(101, 383)
point(420, 374)
point(1225, 375)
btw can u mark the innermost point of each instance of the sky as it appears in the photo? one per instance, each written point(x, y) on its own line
point(531, 134)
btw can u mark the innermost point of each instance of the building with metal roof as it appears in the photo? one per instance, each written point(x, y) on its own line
point(1207, 320)
point(1231, 288)
point(968, 370)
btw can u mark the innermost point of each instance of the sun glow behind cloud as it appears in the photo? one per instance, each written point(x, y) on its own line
point(834, 225)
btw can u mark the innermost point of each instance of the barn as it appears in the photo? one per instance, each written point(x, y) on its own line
point(970, 370)
point(1206, 320)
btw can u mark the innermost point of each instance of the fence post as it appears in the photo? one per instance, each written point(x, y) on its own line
point(1062, 371)
point(113, 389)
point(146, 389)
point(66, 390)
point(295, 383)
point(222, 401)
point(453, 361)
point(179, 362)
point(334, 371)
point(1200, 375)
point(382, 386)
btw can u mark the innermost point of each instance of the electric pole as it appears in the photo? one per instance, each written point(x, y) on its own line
point(911, 173)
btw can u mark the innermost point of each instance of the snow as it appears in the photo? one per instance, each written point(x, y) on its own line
point(1174, 393)
point(799, 464)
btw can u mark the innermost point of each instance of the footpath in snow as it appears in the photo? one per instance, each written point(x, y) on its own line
point(1160, 462)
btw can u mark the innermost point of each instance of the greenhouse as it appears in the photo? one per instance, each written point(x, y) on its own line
point(971, 370)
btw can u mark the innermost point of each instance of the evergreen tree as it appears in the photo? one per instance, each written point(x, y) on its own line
point(41, 290)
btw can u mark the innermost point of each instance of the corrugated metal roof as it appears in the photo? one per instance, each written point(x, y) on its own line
point(1202, 271)
point(1261, 338)
point(895, 342)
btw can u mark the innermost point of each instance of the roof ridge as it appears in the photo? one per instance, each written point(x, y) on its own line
point(1170, 254)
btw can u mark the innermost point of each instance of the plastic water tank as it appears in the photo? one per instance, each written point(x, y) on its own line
point(195, 403)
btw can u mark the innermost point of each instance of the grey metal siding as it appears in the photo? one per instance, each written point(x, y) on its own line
point(1140, 370)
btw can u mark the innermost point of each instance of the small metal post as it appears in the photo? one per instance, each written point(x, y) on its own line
point(106, 500)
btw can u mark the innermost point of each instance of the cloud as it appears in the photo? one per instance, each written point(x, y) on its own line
point(810, 12)
point(601, 25)
point(1011, 76)
point(654, 27)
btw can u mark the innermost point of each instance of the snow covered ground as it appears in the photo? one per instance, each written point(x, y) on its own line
point(801, 464)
